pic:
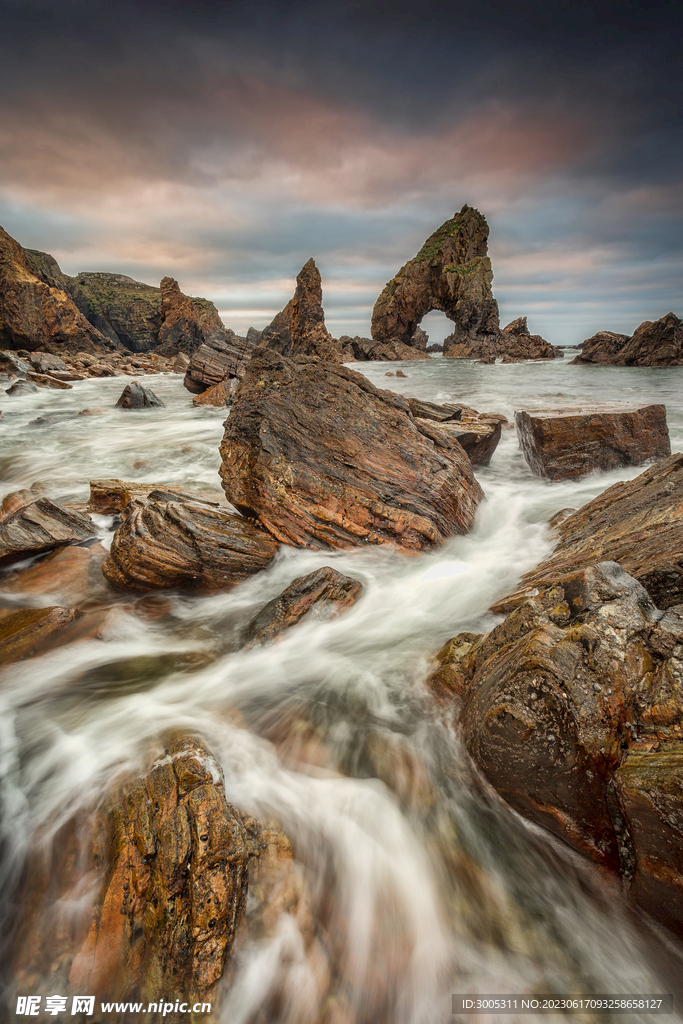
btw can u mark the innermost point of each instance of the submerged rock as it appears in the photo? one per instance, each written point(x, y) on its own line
point(30, 632)
point(658, 343)
point(300, 328)
point(166, 543)
point(325, 459)
point(41, 526)
point(134, 396)
point(322, 594)
point(22, 387)
point(563, 444)
point(637, 523)
point(452, 273)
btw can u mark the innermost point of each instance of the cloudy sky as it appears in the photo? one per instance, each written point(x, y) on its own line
point(226, 142)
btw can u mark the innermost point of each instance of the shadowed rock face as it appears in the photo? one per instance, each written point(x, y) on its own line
point(163, 543)
point(362, 350)
point(223, 357)
point(35, 315)
point(300, 328)
point(186, 323)
point(134, 396)
point(41, 526)
point(322, 594)
point(658, 343)
point(325, 459)
point(518, 344)
point(452, 273)
point(637, 523)
point(568, 443)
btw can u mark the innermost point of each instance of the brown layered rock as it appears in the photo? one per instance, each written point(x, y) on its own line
point(134, 396)
point(603, 348)
point(186, 323)
point(300, 328)
point(322, 594)
point(41, 526)
point(452, 273)
point(658, 343)
point(363, 350)
point(325, 459)
point(637, 523)
point(73, 573)
point(479, 436)
point(550, 700)
point(217, 359)
point(109, 497)
point(563, 444)
point(649, 788)
point(30, 632)
point(220, 394)
point(170, 861)
point(518, 344)
point(37, 316)
point(44, 380)
point(164, 543)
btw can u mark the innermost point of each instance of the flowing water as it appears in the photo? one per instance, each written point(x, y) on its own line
point(422, 883)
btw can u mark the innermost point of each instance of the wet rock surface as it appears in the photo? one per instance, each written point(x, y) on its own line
point(637, 523)
point(658, 343)
point(362, 350)
point(219, 395)
point(109, 497)
point(518, 344)
point(478, 436)
point(322, 594)
point(564, 706)
point(41, 526)
point(216, 360)
point(452, 272)
point(300, 328)
point(30, 632)
point(171, 861)
point(561, 444)
point(162, 543)
point(135, 396)
point(325, 459)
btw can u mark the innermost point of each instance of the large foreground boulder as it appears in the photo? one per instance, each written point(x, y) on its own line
point(170, 863)
point(637, 523)
point(164, 543)
point(325, 459)
point(300, 328)
point(451, 272)
point(563, 444)
point(658, 343)
point(42, 526)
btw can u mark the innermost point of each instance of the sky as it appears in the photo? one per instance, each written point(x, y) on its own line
point(224, 143)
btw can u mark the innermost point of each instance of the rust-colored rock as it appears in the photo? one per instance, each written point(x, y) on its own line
point(36, 316)
point(300, 328)
point(362, 350)
point(518, 344)
point(649, 787)
point(41, 526)
point(552, 698)
point(29, 632)
point(44, 380)
point(637, 523)
point(180, 330)
point(109, 497)
point(479, 436)
point(452, 273)
point(325, 459)
point(322, 594)
point(219, 395)
point(163, 543)
point(658, 343)
point(563, 444)
point(170, 858)
point(73, 573)
point(217, 359)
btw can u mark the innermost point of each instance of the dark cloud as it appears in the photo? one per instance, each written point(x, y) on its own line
point(228, 142)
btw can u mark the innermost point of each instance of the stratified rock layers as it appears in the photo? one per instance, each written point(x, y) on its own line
point(325, 459)
point(452, 273)
point(563, 444)
point(300, 328)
